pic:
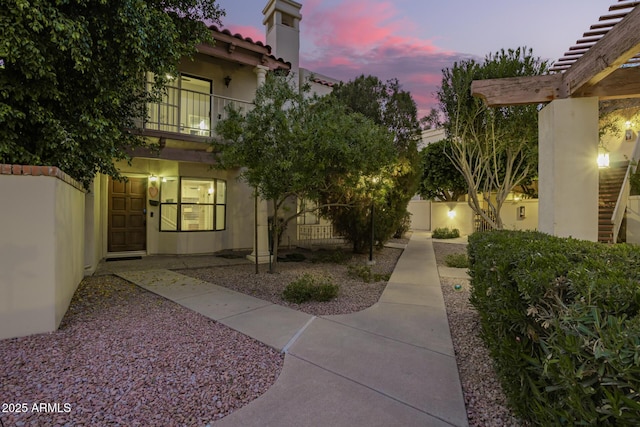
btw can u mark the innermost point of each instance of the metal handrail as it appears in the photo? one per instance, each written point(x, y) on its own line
point(625, 190)
point(178, 105)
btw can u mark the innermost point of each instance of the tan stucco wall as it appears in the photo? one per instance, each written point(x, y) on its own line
point(243, 79)
point(510, 215)
point(92, 227)
point(240, 210)
point(420, 211)
point(568, 172)
point(463, 219)
point(41, 252)
point(633, 220)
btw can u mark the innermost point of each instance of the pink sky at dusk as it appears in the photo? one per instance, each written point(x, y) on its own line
point(414, 40)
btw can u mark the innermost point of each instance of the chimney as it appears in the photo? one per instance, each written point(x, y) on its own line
point(282, 23)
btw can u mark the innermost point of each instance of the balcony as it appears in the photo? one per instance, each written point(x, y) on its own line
point(189, 108)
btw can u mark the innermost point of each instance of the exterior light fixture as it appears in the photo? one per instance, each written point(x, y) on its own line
point(227, 80)
point(628, 133)
point(451, 214)
point(603, 159)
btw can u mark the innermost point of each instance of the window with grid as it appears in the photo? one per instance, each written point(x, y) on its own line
point(193, 204)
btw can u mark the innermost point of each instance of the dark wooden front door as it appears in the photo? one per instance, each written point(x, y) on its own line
point(127, 215)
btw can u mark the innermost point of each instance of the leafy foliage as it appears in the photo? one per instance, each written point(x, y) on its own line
point(71, 80)
point(364, 272)
point(310, 288)
point(440, 178)
point(561, 319)
point(495, 149)
point(292, 145)
point(445, 233)
point(456, 260)
point(390, 189)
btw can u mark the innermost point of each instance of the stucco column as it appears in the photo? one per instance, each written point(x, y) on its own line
point(261, 73)
point(261, 251)
point(568, 172)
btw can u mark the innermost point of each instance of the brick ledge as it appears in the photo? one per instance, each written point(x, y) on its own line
point(31, 170)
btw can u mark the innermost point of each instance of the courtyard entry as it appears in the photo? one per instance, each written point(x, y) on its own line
point(127, 228)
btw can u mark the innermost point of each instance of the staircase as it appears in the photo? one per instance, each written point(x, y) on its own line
point(611, 180)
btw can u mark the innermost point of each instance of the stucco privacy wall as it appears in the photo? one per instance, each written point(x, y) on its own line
point(420, 211)
point(41, 247)
point(427, 215)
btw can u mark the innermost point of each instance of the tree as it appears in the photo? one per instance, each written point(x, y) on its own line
point(291, 145)
point(495, 149)
point(432, 120)
point(440, 178)
point(387, 105)
point(72, 74)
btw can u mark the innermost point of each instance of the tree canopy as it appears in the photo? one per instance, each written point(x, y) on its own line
point(389, 106)
point(440, 178)
point(291, 145)
point(495, 149)
point(72, 74)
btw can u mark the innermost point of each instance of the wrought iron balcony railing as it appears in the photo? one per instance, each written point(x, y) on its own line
point(190, 112)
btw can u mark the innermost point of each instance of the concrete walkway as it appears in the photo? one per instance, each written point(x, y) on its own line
point(389, 365)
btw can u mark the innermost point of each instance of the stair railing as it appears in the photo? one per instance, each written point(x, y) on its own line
point(625, 190)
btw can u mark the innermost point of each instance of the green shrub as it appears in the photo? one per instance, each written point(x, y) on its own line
point(336, 256)
point(445, 233)
point(293, 257)
point(561, 319)
point(310, 288)
point(364, 272)
point(404, 226)
point(457, 260)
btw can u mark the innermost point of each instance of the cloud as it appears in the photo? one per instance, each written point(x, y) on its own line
point(255, 34)
point(346, 38)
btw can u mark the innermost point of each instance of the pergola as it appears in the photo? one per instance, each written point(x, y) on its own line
point(604, 64)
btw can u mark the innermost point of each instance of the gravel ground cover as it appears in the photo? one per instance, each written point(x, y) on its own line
point(354, 295)
point(484, 399)
point(126, 357)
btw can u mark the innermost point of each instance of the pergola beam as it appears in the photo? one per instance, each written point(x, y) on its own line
point(623, 83)
point(518, 90)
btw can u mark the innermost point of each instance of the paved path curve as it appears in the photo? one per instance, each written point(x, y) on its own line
point(389, 365)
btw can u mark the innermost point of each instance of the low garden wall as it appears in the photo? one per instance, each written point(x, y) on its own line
point(428, 215)
point(41, 247)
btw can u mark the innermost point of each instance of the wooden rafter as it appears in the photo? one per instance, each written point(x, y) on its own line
point(607, 55)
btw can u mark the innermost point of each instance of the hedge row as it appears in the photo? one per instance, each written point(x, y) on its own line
point(561, 320)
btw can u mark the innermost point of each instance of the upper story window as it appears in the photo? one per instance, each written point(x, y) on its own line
point(184, 108)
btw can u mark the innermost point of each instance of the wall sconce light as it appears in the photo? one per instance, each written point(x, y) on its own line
point(227, 80)
point(521, 212)
point(603, 159)
point(451, 214)
point(628, 135)
point(153, 178)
